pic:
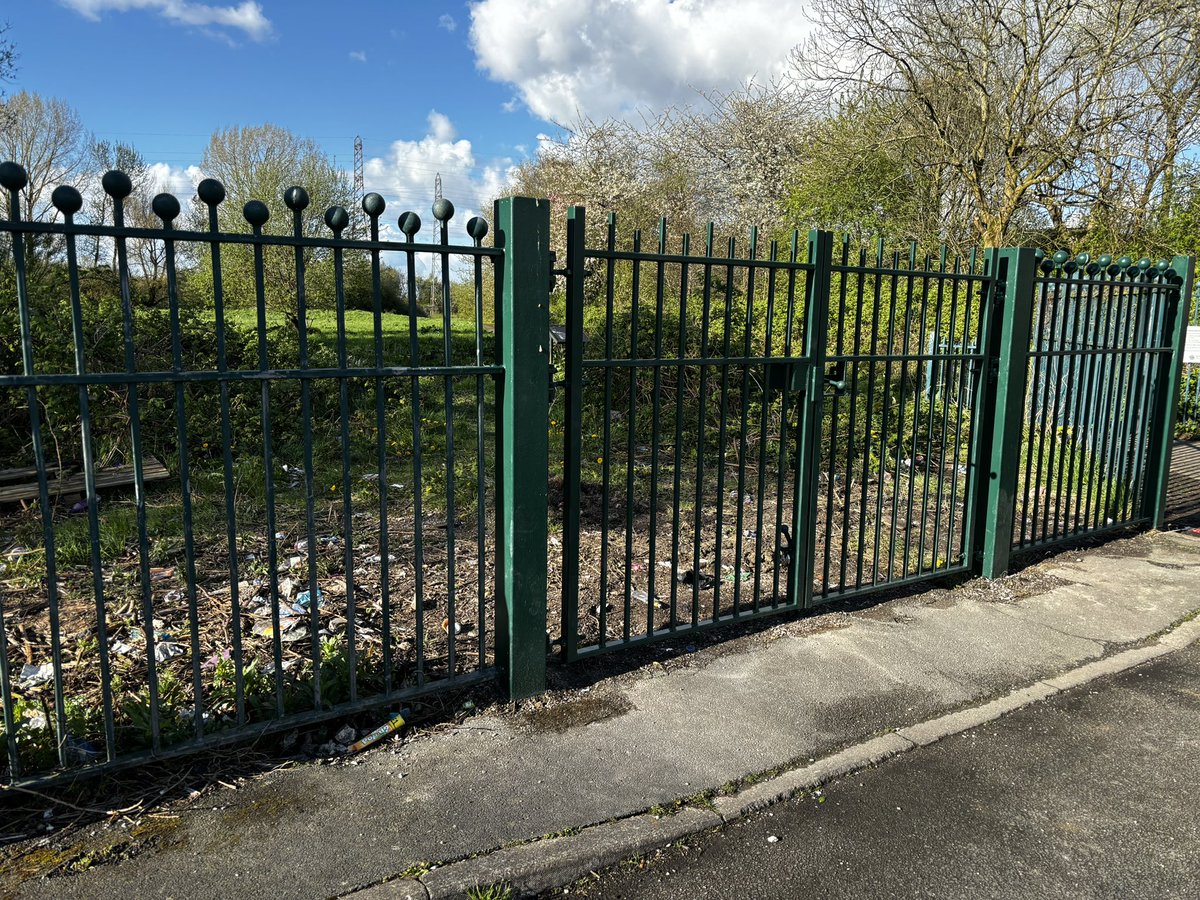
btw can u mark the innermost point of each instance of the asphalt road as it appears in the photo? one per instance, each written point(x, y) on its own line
point(1095, 793)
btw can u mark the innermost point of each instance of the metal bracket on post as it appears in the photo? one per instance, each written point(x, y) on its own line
point(522, 329)
point(997, 455)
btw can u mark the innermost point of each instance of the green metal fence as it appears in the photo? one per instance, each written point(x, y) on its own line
point(323, 540)
point(290, 509)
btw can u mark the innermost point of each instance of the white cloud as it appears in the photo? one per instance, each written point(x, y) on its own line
point(246, 17)
point(173, 180)
point(405, 176)
point(358, 55)
point(447, 21)
point(612, 57)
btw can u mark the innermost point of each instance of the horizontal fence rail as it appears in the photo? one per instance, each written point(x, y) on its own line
point(255, 506)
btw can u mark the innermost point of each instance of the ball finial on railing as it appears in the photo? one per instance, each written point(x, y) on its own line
point(12, 176)
point(373, 205)
point(210, 191)
point(256, 213)
point(116, 184)
point(166, 207)
point(337, 218)
point(410, 223)
point(477, 228)
point(443, 209)
point(67, 200)
point(296, 198)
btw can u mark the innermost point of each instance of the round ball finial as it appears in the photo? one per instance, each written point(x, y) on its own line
point(116, 184)
point(13, 176)
point(210, 191)
point(337, 218)
point(1082, 259)
point(67, 200)
point(165, 206)
point(1143, 263)
point(1070, 266)
point(1105, 261)
point(1046, 266)
point(296, 198)
point(1163, 266)
point(1124, 262)
point(443, 209)
point(373, 205)
point(410, 223)
point(256, 213)
point(1060, 257)
point(477, 228)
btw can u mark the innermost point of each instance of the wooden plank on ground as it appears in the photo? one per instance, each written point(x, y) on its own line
point(152, 470)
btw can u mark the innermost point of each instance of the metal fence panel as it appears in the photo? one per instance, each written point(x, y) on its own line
point(308, 532)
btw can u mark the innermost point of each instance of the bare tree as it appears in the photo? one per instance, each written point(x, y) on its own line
point(1014, 98)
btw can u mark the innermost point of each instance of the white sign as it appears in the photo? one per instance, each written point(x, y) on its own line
point(1191, 347)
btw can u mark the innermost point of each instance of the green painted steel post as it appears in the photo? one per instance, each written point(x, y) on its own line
point(816, 335)
point(1166, 394)
point(523, 335)
point(1010, 322)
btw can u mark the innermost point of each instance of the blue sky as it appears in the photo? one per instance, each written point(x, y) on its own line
point(464, 88)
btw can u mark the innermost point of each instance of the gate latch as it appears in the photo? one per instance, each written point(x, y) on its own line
point(786, 375)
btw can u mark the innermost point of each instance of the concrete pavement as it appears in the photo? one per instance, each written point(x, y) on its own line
point(686, 724)
point(1092, 793)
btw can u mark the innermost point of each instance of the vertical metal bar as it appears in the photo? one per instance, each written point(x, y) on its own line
point(605, 460)
point(868, 431)
point(410, 224)
point(764, 411)
point(443, 210)
point(1033, 415)
point(975, 377)
point(680, 372)
point(944, 368)
point(743, 413)
point(1165, 402)
point(573, 428)
point(885, 397)
point(852, 442)
point(14, 179)
point(1113, 360)
point(1122, 411)
point(1151, 301)
point(69, 202)
point(724, 429)
point(477, 227)
point(337, 218)
point(701, 434)
point(782, 467)
point(835, 404)
point(655, 412)
point(1075, 387)
point(118, 186)
point(1006, 346)
point(523, 232)
point(167, 208)
point(884, 435)
point(1062, 311)
point(296, 199)
point(257, 214)
point(916, 400)
point(212, 193)
point(631, 442)
point(1083, 498)
point(937, 341)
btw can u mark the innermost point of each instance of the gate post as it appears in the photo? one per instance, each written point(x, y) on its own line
point(1166, 393)
point(1001, 426)
point(522, 334)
